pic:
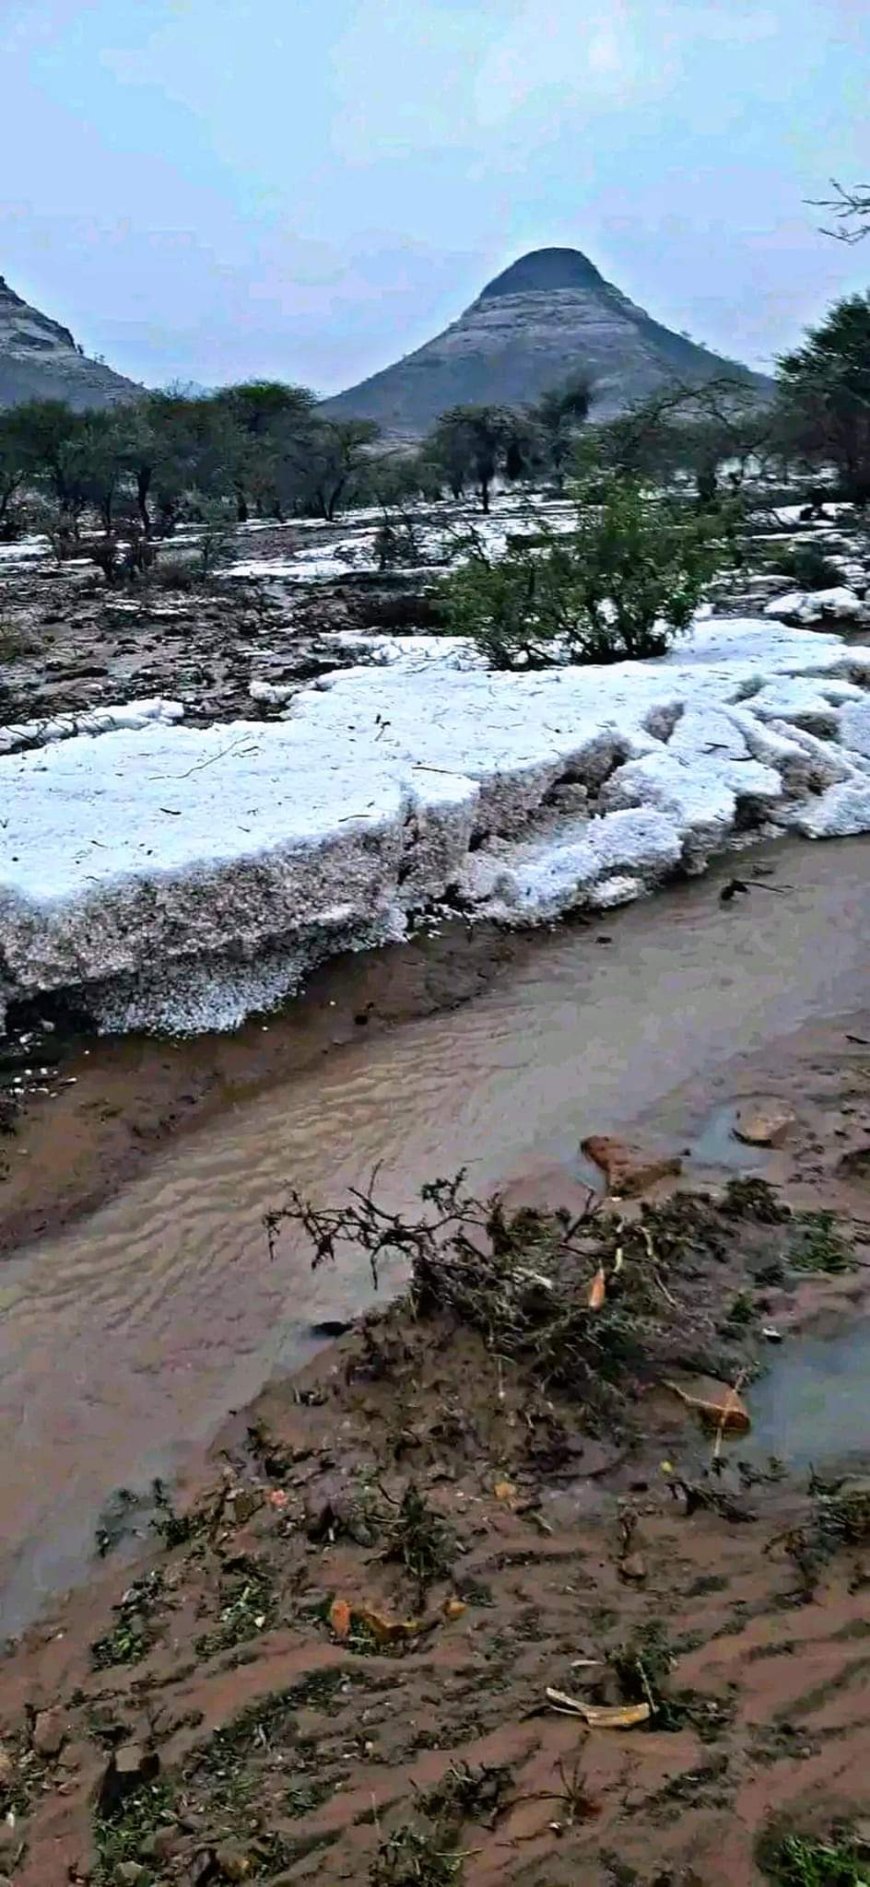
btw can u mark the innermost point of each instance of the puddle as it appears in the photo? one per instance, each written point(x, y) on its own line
point(717, 1144)
point(714, 1149)
point(811, 1409)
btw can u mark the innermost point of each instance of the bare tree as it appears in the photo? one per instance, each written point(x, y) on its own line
point(851, 210)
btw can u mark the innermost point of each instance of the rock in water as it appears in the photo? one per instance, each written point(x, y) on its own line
point(629, 1170)
point(765, 1123)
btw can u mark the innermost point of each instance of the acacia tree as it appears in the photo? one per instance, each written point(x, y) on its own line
point(272, 422)
point(713, 433)
point(180, 443)
point(475, 443)
point(335, 454)
point(15, 464)
point(52, 435)
point(557, 417)
point(824, 394)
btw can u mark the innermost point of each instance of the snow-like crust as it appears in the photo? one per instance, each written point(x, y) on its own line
point(180, 877)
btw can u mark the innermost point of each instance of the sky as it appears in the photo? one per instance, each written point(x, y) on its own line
point(211, 190)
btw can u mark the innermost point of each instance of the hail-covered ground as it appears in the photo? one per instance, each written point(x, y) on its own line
point(176, 874)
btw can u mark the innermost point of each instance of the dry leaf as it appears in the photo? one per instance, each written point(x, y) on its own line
point(717, 1404)
point(597, 1290)
point(340, 1618)
point(600, 1716)
point(504, 1490)
point(454, 1608)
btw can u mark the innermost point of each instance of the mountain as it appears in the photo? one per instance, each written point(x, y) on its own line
point(39, 360)
point(549, 316)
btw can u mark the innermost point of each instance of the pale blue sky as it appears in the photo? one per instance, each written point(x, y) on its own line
point(211, 189)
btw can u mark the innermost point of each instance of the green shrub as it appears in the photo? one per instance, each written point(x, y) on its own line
point(809, 568)
point(618, 587)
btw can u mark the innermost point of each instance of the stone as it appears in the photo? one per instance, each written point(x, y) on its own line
point(633, 1567)
point(166, 1841)
point(7, 1768)
point(127, 1873)
point(233, 1860)
point(126, 1770)
point(49, 1731)
point(629, 1169)
point(764, 1123)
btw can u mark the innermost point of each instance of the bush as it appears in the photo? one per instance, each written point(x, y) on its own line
point(618, 587)
point(809, 568)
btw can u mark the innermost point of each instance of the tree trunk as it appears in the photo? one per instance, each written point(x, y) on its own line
point(143, 487)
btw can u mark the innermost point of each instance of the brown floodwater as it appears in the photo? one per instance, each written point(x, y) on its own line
point(125, 1340)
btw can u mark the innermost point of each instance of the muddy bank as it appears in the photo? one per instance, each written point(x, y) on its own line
point(476, 1597)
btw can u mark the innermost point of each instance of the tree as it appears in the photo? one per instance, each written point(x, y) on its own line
point(335, 456)
point(272, 421)
point(824, 394)
point(101, 461)
point(558, 416)
point(180, 443)
point(619, 587)
point(851, 208)
point(15, 464)
point(710, 432)
point(474, 443)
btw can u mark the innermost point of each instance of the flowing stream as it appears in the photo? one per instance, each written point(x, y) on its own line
point(128, 1338)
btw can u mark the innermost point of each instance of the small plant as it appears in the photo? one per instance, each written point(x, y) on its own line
point(753, 1199)
point(840, 1517)
point(817, 1244)
point(132, 1637)
point(248, 1608)
point(419, 1538)
point(15, 643)
point(397, 541)
point(126, 1835)
point(415, 1857)
point(804, 1861)
point(809, 568)
point(218, 533)
point(643, 1666)
point(175, 1529)
point(741, 1312)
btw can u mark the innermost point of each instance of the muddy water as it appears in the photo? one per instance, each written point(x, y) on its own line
point(131, 1336)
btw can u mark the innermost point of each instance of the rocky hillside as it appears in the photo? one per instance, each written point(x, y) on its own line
point(39, 360)
point(547, 317)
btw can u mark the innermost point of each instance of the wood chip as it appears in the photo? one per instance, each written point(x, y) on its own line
point(599, 1716)
point(597, 1290)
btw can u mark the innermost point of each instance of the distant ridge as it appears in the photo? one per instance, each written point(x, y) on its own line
point(550, 315)
point(39, 360)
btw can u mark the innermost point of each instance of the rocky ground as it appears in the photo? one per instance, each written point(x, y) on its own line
point(68, 644)
point(496, 1589)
